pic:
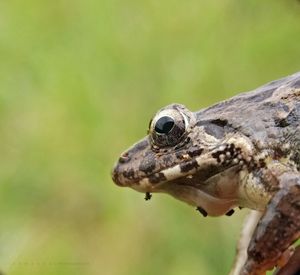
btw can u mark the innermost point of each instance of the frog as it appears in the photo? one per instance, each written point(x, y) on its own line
point(243, 152)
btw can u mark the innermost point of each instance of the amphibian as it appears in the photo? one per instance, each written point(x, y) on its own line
point(242, 152)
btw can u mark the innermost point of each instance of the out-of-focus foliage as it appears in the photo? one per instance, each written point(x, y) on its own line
point(79, 81)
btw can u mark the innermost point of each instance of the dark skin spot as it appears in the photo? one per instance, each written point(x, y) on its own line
point(185, 167)
point(229, 148)
point(194, 151)
point(217, 155)
point(202, 211)
point(279, 153)
point(157, 178)
point(129, 174)
point(220, 122)
point(230, 212)
point(168, 160)
point(148, 163)
point(179, 155)
point(262, 163)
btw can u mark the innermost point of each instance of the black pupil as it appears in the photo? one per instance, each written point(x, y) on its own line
point(164, 125)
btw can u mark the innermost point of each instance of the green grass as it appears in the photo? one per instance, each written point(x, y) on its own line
point(79, 81)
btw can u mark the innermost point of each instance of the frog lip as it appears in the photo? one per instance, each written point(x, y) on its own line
point(152, 182)
point(129, 178)
point(126, 176)
point(119, 176)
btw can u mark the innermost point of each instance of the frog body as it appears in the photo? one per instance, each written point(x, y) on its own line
point(242, 152)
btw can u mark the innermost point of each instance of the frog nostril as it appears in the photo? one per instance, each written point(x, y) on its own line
point(124, 158)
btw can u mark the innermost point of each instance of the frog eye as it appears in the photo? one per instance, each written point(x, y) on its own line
point(168, 128)
point(164, 125)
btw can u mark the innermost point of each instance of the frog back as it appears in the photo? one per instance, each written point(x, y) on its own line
point(269, 115)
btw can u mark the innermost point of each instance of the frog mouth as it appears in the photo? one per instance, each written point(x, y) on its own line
point(197, 178)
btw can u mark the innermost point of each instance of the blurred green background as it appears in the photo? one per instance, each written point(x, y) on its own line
point(79, 81)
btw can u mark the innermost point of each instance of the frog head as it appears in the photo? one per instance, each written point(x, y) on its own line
point(194, 159)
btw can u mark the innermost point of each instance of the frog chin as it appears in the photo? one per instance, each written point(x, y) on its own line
point(197, 197)
point(193, 195)
point(216, 194)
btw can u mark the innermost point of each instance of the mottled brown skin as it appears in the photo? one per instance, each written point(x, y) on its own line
point(293, 265)
point(278, 228)
point(243, 152)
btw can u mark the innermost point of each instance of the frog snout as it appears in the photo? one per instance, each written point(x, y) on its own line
point(117, 175)
point(128, 170)
point(122, 173)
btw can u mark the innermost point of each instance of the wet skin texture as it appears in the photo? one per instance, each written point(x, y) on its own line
point(242, 152)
